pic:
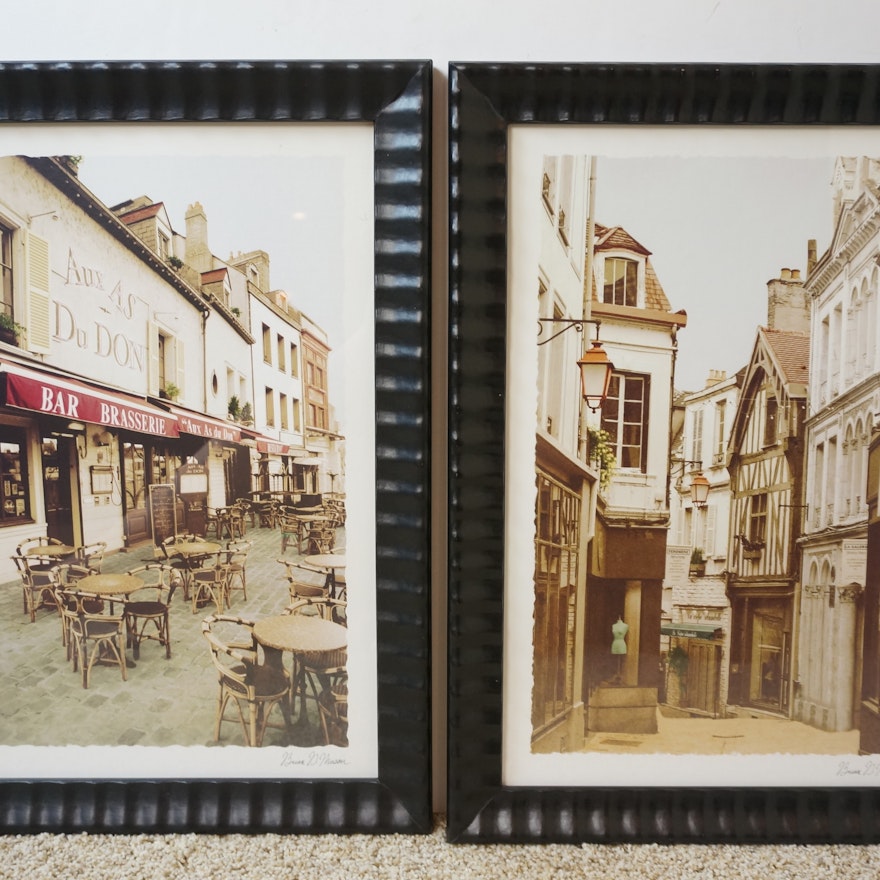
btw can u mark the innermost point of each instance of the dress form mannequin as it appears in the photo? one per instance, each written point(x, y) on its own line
point(618, 645)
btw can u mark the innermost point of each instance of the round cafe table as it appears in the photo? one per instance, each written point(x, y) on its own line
point(298, 634)
point(332, 562)
point(194, 548)
point(110, 584)
point(53, 550)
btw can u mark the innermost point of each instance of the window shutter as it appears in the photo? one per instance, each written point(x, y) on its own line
point(709, 543)
point(37, 300)
point(153, 358)
point(179, 367)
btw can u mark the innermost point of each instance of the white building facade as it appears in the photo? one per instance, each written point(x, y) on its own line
point(844, 396)
point(696, 613)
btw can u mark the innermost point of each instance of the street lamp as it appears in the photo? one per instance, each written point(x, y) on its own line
point(699, 490)
point(596, 371)
point(699, 484)
point(594, 364)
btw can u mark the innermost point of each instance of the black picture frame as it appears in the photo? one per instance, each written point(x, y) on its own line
point(485, 100)
point(395, 97)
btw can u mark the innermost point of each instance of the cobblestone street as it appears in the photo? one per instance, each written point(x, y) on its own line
point(164, 701)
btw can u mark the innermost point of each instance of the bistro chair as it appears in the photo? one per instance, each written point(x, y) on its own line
point(333, 708)
point(247, 510)
point(207, 581)
point(39, 541)
point(326, 668)
point(321, 537)
point(212, 521)
point(253, 686)
point(93, 636)
point(305, 582)
point(147, 609)
point(291, 529)
point(180, 564)
point(38, 584)
point(234, 560)
point(92, 556)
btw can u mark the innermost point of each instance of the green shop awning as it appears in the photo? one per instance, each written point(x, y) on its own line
point(691, 630)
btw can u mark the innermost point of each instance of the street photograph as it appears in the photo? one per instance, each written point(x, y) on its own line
point(705, 356)
point(185, 450)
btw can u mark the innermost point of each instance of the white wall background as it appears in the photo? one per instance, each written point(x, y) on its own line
point(466, 30)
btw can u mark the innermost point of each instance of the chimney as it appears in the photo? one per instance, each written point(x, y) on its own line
point(715, 377)
point(811, 256)
point(788, 306)
point(198, 256)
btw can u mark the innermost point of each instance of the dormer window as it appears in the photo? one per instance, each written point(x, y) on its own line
point(621, 282)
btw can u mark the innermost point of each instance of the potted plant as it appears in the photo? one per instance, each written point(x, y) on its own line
point(246, 417)
point(698, 563)
point(9, 330)
point(234, 407)
point(170, 391)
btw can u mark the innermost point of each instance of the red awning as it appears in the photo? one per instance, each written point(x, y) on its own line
point(66, 398)
point(272, 447)
point(205, 426)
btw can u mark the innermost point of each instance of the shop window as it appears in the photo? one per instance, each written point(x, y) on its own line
point(558, 514)
point(625, 418)
point(14, 485)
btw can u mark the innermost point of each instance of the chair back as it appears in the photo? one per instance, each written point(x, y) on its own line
point(159, 582)
point(304, 582)
point(92, 556)
point(232, 659)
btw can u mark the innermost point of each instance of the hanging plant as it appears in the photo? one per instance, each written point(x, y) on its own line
point(602, 456)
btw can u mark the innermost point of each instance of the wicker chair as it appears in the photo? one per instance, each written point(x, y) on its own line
point(305, 582)
point(92, 635)
point(254, 687)
point(38, 584)
point(234, 560)
point(148, 607)
point(333, 708)
point(92, 556)
point(327, 668)
point(207, 581)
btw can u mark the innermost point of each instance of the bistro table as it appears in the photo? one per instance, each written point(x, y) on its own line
point(331, 563)
point(300, 635)
point(50, 550)
point(192, 552)
point(49, 555)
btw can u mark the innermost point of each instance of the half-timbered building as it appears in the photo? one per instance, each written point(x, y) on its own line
point(766, 461)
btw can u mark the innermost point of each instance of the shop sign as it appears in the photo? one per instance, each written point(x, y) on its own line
point(80, 403)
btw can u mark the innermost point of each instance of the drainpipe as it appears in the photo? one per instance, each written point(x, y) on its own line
point(205, 313)
point(674, 335)
point(587, 307)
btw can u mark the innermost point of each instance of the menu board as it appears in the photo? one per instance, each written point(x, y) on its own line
point(163, 513)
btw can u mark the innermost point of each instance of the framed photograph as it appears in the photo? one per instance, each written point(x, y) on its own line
point(215, 291)
point(663, 617)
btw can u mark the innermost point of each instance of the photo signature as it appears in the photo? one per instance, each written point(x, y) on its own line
point(311, 759)
point(870, 768)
